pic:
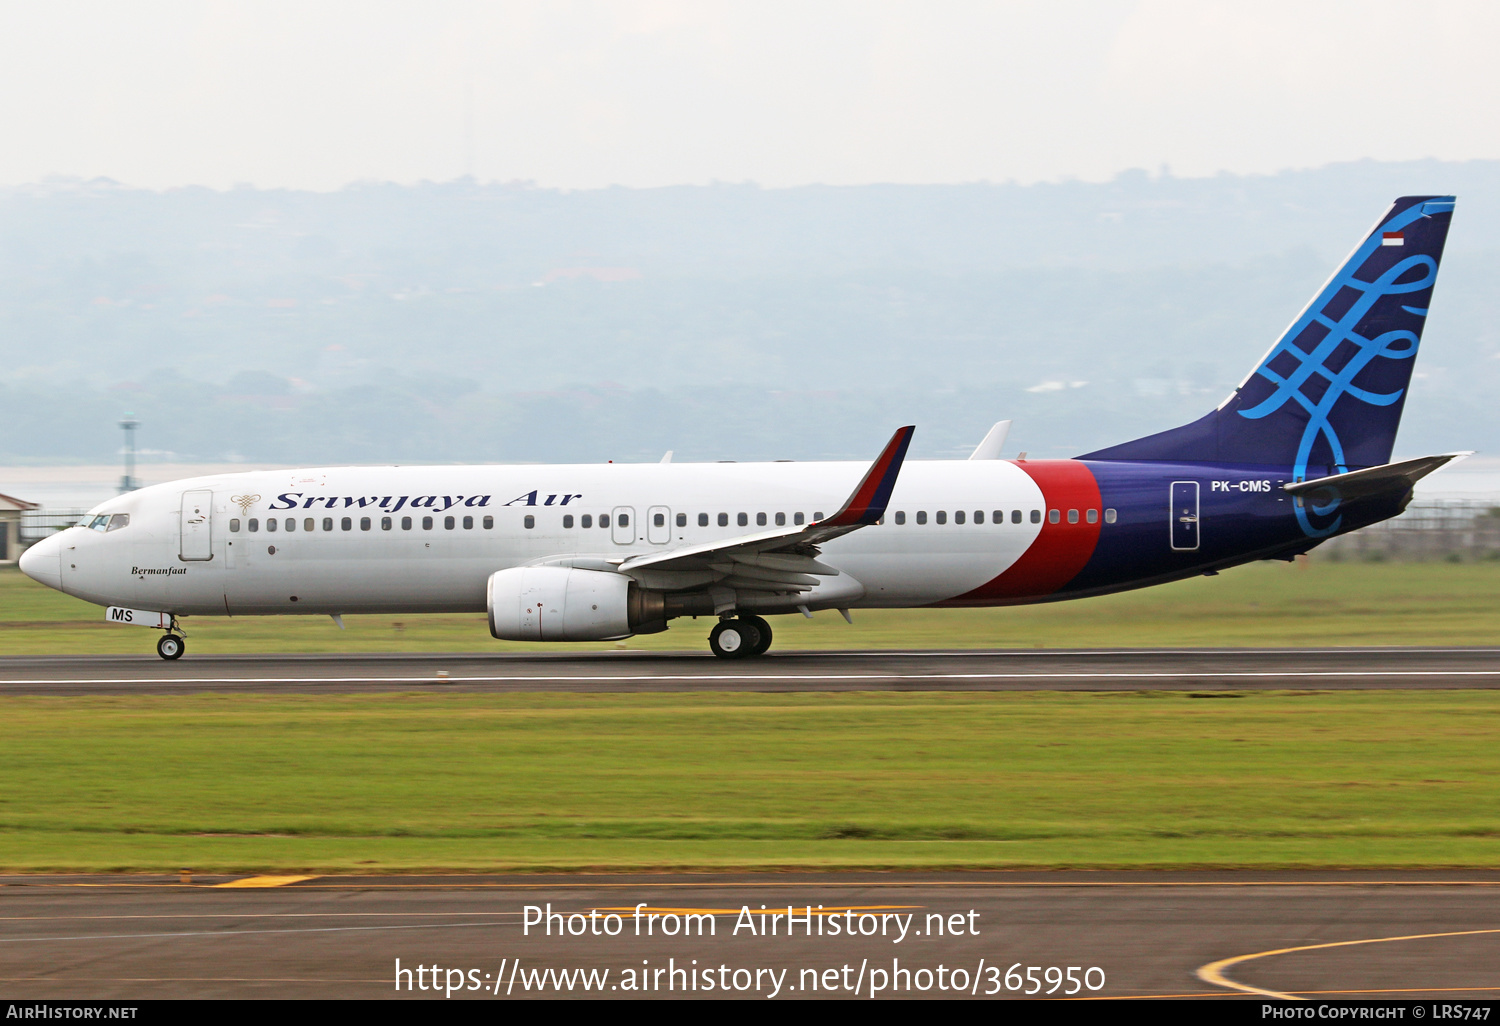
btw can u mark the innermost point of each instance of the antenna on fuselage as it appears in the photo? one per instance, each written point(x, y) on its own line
point(128, 483)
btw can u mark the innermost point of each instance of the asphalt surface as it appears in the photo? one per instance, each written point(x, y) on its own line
point(1144, 934)
point(1016, 670)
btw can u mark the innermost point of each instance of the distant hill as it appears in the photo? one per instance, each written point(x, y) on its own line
point(459, 321)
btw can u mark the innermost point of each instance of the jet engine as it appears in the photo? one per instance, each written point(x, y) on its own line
point(557, 603)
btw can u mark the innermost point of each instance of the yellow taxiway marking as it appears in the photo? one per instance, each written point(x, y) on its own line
point(1214, 971)
point(265, 881)
point(372, 883)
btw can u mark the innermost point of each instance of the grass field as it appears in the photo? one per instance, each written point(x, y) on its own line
point(439, 781)
point(450, 782)
point(1265, 604)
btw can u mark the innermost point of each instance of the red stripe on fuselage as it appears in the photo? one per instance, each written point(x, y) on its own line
point(1060, 550)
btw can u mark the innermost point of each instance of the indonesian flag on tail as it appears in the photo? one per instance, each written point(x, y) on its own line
point(1392, 239)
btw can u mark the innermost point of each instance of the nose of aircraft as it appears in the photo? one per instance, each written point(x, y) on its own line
point(42, 562)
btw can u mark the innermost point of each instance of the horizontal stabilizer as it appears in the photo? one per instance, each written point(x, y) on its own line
point(1392, 477)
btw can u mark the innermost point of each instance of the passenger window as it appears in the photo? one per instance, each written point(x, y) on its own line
point(1054, 516)
point(921, 516)
point(723, 519)
point(682, 520)
point(567, 520)
point(1015, 516)
point(1092, 516)
point(900, 516)
point(385, 523)
point(487, 523)
point(658, 520)
point(448, 523)
point(958, 516)
point(234, 527)
point(702, 519)
point(271, 524)
point(328, 523)
point(1072, 516)
point(1109, 516)
point(364, 523)
point(743, 520)
point(623, 519)
point(406, 523)
point(781, 520)
point(587, 520)
point(290, 525)
point(530, 521)
point(469, 523)
point(347, 523)
point(426, 523)
point(603, 519)
point(254, 525)
point(979, 516)
point(309, 524)
point(817, 516)
point(760, 520)
point(798, 518)
point(942, 516)
point(1036, 516)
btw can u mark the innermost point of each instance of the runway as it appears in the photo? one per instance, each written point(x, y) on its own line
point(1364, 935)
point(1206, 670)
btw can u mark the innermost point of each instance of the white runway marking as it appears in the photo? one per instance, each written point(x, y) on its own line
point(431, 680)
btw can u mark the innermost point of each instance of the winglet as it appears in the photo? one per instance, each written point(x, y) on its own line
point(867, 503)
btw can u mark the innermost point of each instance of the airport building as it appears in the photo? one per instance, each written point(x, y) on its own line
point(11, 509)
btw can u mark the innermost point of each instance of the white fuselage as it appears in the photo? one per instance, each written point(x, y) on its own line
point(359, 539)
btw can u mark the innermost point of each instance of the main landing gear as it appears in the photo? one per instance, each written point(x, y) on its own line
point(741, 637)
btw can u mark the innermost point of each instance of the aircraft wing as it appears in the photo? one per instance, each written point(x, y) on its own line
point(781, 560)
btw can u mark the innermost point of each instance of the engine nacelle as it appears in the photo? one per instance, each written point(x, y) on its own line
point(557, 603)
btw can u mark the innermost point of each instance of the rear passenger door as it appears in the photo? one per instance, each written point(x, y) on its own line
point(1184, 515)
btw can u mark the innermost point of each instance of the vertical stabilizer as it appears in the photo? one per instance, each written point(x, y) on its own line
point(1328, 396)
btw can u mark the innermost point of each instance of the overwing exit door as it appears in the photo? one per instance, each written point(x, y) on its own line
point(623, 528)
point(659, 525)
point(1184, 514)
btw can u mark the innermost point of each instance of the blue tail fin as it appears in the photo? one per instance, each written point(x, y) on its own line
point(1328, 396)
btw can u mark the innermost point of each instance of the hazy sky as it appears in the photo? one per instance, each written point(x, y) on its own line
point(586, 93)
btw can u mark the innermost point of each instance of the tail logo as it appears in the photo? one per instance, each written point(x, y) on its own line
point(1306, 377)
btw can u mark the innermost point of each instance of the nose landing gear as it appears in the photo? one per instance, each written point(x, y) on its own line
point(740, 637)
point(171, 646)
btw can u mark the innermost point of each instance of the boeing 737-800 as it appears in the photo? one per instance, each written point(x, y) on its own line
point(1298, 453)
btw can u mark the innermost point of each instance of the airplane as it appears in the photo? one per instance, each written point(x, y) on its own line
point(1298, 453)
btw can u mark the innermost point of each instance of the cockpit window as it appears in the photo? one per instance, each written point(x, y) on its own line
point(100, 523)
point(118, 521)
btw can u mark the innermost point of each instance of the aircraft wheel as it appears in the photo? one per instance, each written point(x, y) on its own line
point(171, 646)
point(764, 630)
point(733, 639)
